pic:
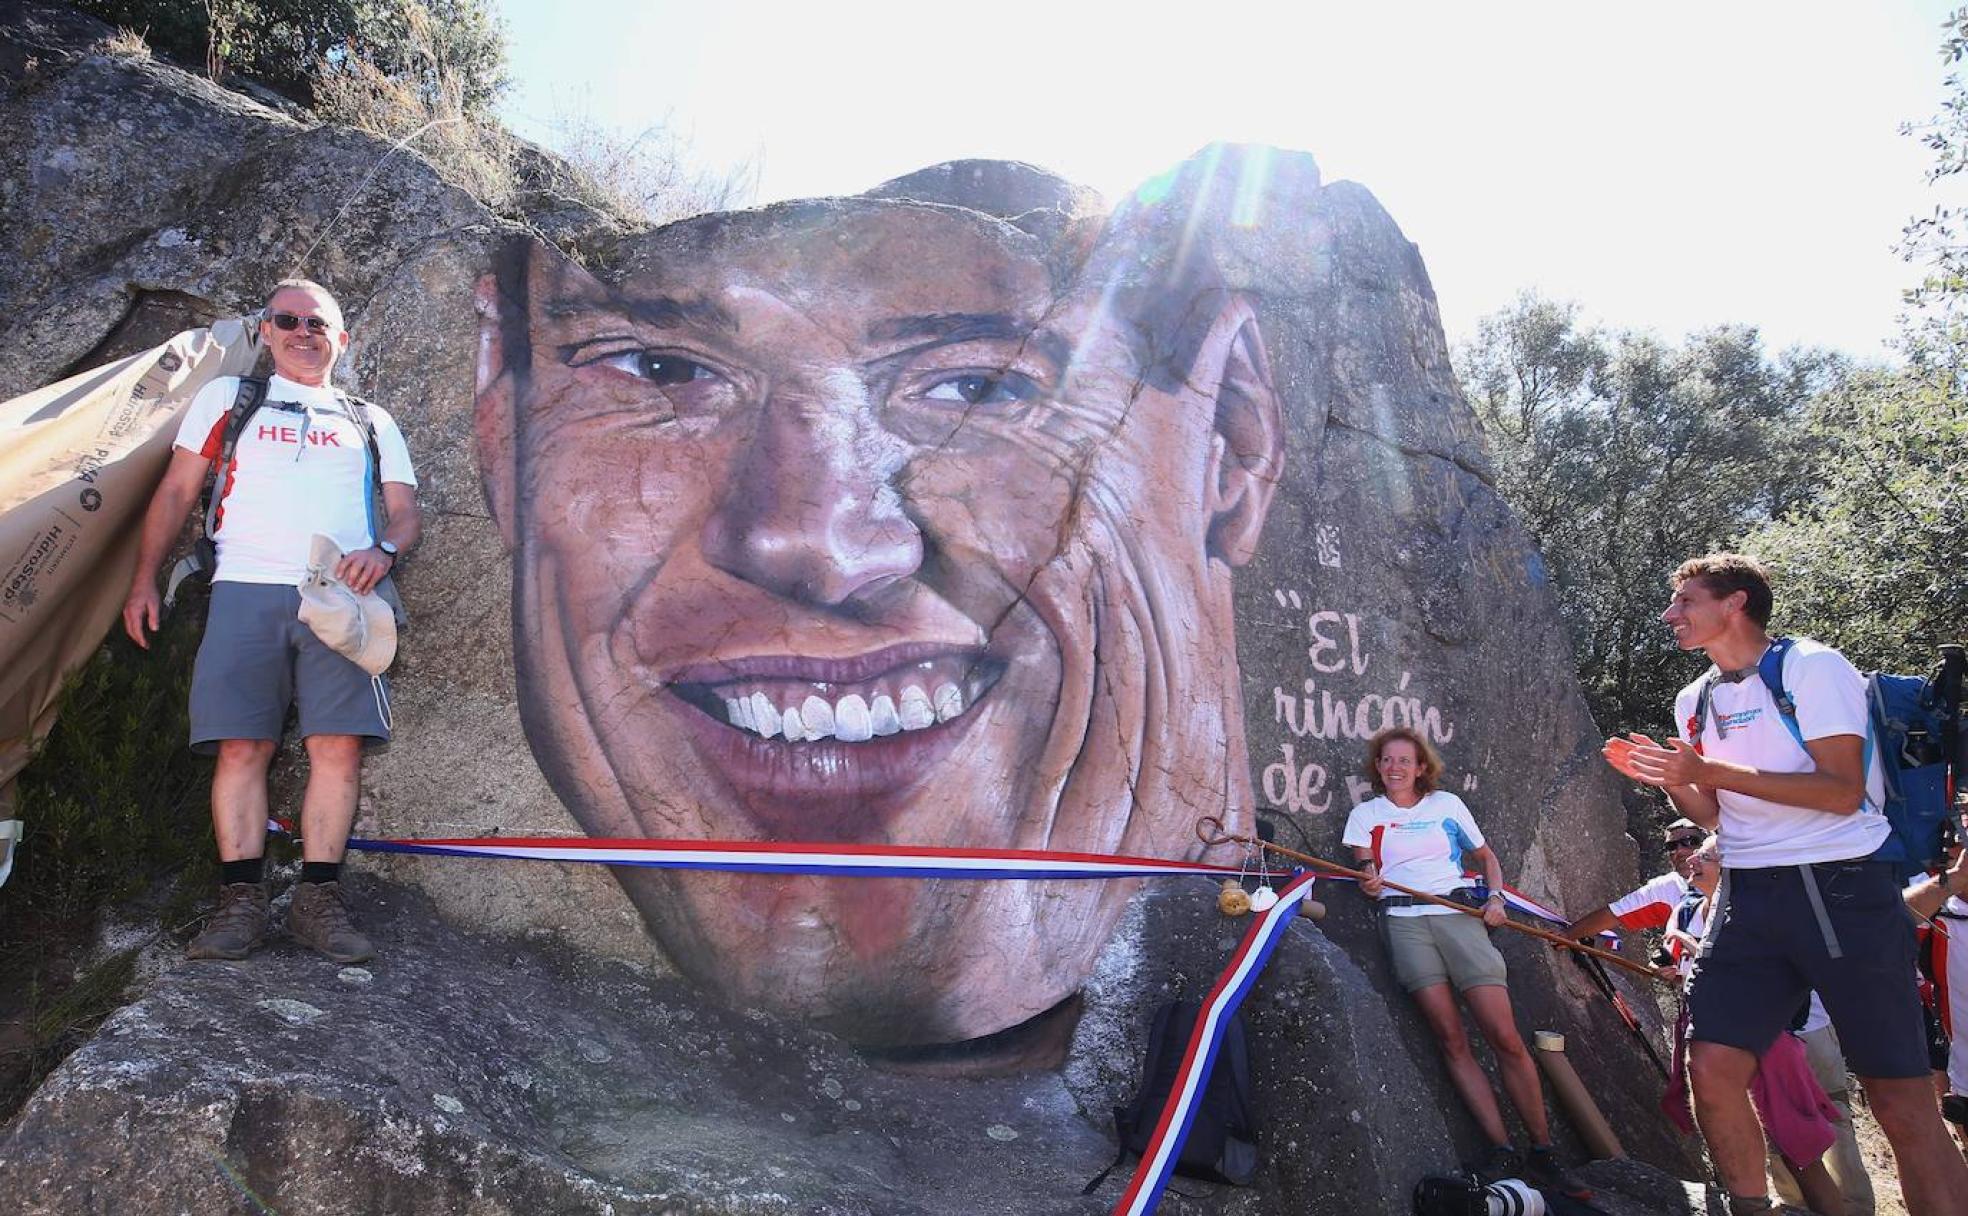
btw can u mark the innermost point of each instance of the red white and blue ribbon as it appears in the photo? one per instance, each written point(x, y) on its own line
point(1158, 1158)
point(1531, 907)
point(783, 857)
point(921, 861)
point(1518, 900)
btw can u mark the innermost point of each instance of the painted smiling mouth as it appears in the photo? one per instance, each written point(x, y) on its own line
point(816, 705)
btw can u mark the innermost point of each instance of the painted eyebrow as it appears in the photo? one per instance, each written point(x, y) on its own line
point(658, 312)
point(944, 328)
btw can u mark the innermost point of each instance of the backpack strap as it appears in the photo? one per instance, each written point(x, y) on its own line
point(245, 403)
point(203, 558)
point(1684, 912)
point(358, 412)
point(1770, 668)
point(1699, 718)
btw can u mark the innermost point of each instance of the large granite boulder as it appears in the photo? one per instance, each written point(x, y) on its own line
point(480, 1076)
point(1356, 569)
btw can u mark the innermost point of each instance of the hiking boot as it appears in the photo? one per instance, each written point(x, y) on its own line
point(1500, 1161)
point(239, 925)
point(318, 918)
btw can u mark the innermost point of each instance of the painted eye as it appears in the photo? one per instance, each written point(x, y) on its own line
point(980, 388)
point(657, 367)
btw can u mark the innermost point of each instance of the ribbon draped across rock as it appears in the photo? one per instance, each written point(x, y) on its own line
point(1267, 928)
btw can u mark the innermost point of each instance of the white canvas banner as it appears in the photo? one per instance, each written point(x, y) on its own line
point(78, 463)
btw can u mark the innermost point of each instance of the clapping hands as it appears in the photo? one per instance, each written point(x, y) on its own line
point(1651, 763)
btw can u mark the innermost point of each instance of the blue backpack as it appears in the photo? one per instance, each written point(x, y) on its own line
point(1915, 726)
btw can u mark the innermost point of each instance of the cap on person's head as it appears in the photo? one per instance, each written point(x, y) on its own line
point(1684, 834)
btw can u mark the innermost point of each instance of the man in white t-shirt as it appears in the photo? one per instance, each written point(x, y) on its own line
point(1798, 816)
point(302, 464)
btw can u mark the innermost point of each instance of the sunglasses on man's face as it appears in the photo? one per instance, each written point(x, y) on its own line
point(288, 322)
point(1684, 842)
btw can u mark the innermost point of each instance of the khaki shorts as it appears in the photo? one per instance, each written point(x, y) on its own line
point(1429, 950)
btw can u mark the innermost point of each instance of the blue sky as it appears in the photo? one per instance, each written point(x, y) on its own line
point(1670, 166)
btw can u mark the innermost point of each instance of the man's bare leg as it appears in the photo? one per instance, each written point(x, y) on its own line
point(239, 797)
point(333, 786)
point(1719, 1075)
point(1933, 1177)
point(318, 918)
point(239, 809)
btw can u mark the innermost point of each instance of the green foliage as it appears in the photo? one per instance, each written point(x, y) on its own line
point(114, 804)
point(289, 45)
point(114, 799)
point(1624, 456)
point(55, 1018)
point(1876, 562)
point(448, 50)
point(1938, 239)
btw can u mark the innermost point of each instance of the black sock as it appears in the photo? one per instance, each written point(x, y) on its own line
point(321, 871)
point(247, 869)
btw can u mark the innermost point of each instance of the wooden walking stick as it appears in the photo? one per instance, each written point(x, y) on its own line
point(1211, 831)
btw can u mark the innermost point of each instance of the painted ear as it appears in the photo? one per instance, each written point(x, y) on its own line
point(1247, 453)
point(493, 421)
point(525, 276)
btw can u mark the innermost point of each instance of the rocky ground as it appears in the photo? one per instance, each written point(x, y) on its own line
point(460, 1073)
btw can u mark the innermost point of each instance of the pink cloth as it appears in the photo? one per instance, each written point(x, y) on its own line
point(1796, 1114)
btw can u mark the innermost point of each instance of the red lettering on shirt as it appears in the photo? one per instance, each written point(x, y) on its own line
point(327, 439)
point(267, 432)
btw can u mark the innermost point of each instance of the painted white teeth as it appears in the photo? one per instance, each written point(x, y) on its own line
point(818, 717)
point(916, 712)
point(852, 723)
point(854, 717)
point(949, 702)
point(765, 715)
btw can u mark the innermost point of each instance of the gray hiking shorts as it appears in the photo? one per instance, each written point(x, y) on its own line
point(257, 659)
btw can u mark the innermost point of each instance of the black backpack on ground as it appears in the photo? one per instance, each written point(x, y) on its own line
point(1222, 1141)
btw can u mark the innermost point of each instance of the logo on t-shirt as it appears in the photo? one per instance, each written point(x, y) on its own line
point(292, 435)
point(1724, 723)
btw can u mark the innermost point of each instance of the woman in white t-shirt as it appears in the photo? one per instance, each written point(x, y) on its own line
point(1424, 838)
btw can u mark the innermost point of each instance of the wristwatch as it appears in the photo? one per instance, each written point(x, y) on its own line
point(390, 548)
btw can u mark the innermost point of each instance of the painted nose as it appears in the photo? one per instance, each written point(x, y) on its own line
point(812, 513)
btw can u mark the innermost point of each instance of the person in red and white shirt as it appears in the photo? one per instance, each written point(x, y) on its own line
point(300, 466)
point(1652, 904)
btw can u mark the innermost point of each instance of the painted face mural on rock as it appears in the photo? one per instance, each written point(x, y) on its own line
point(877, 520)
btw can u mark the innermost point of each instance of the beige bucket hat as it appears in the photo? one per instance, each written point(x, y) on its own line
point(363, 627)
